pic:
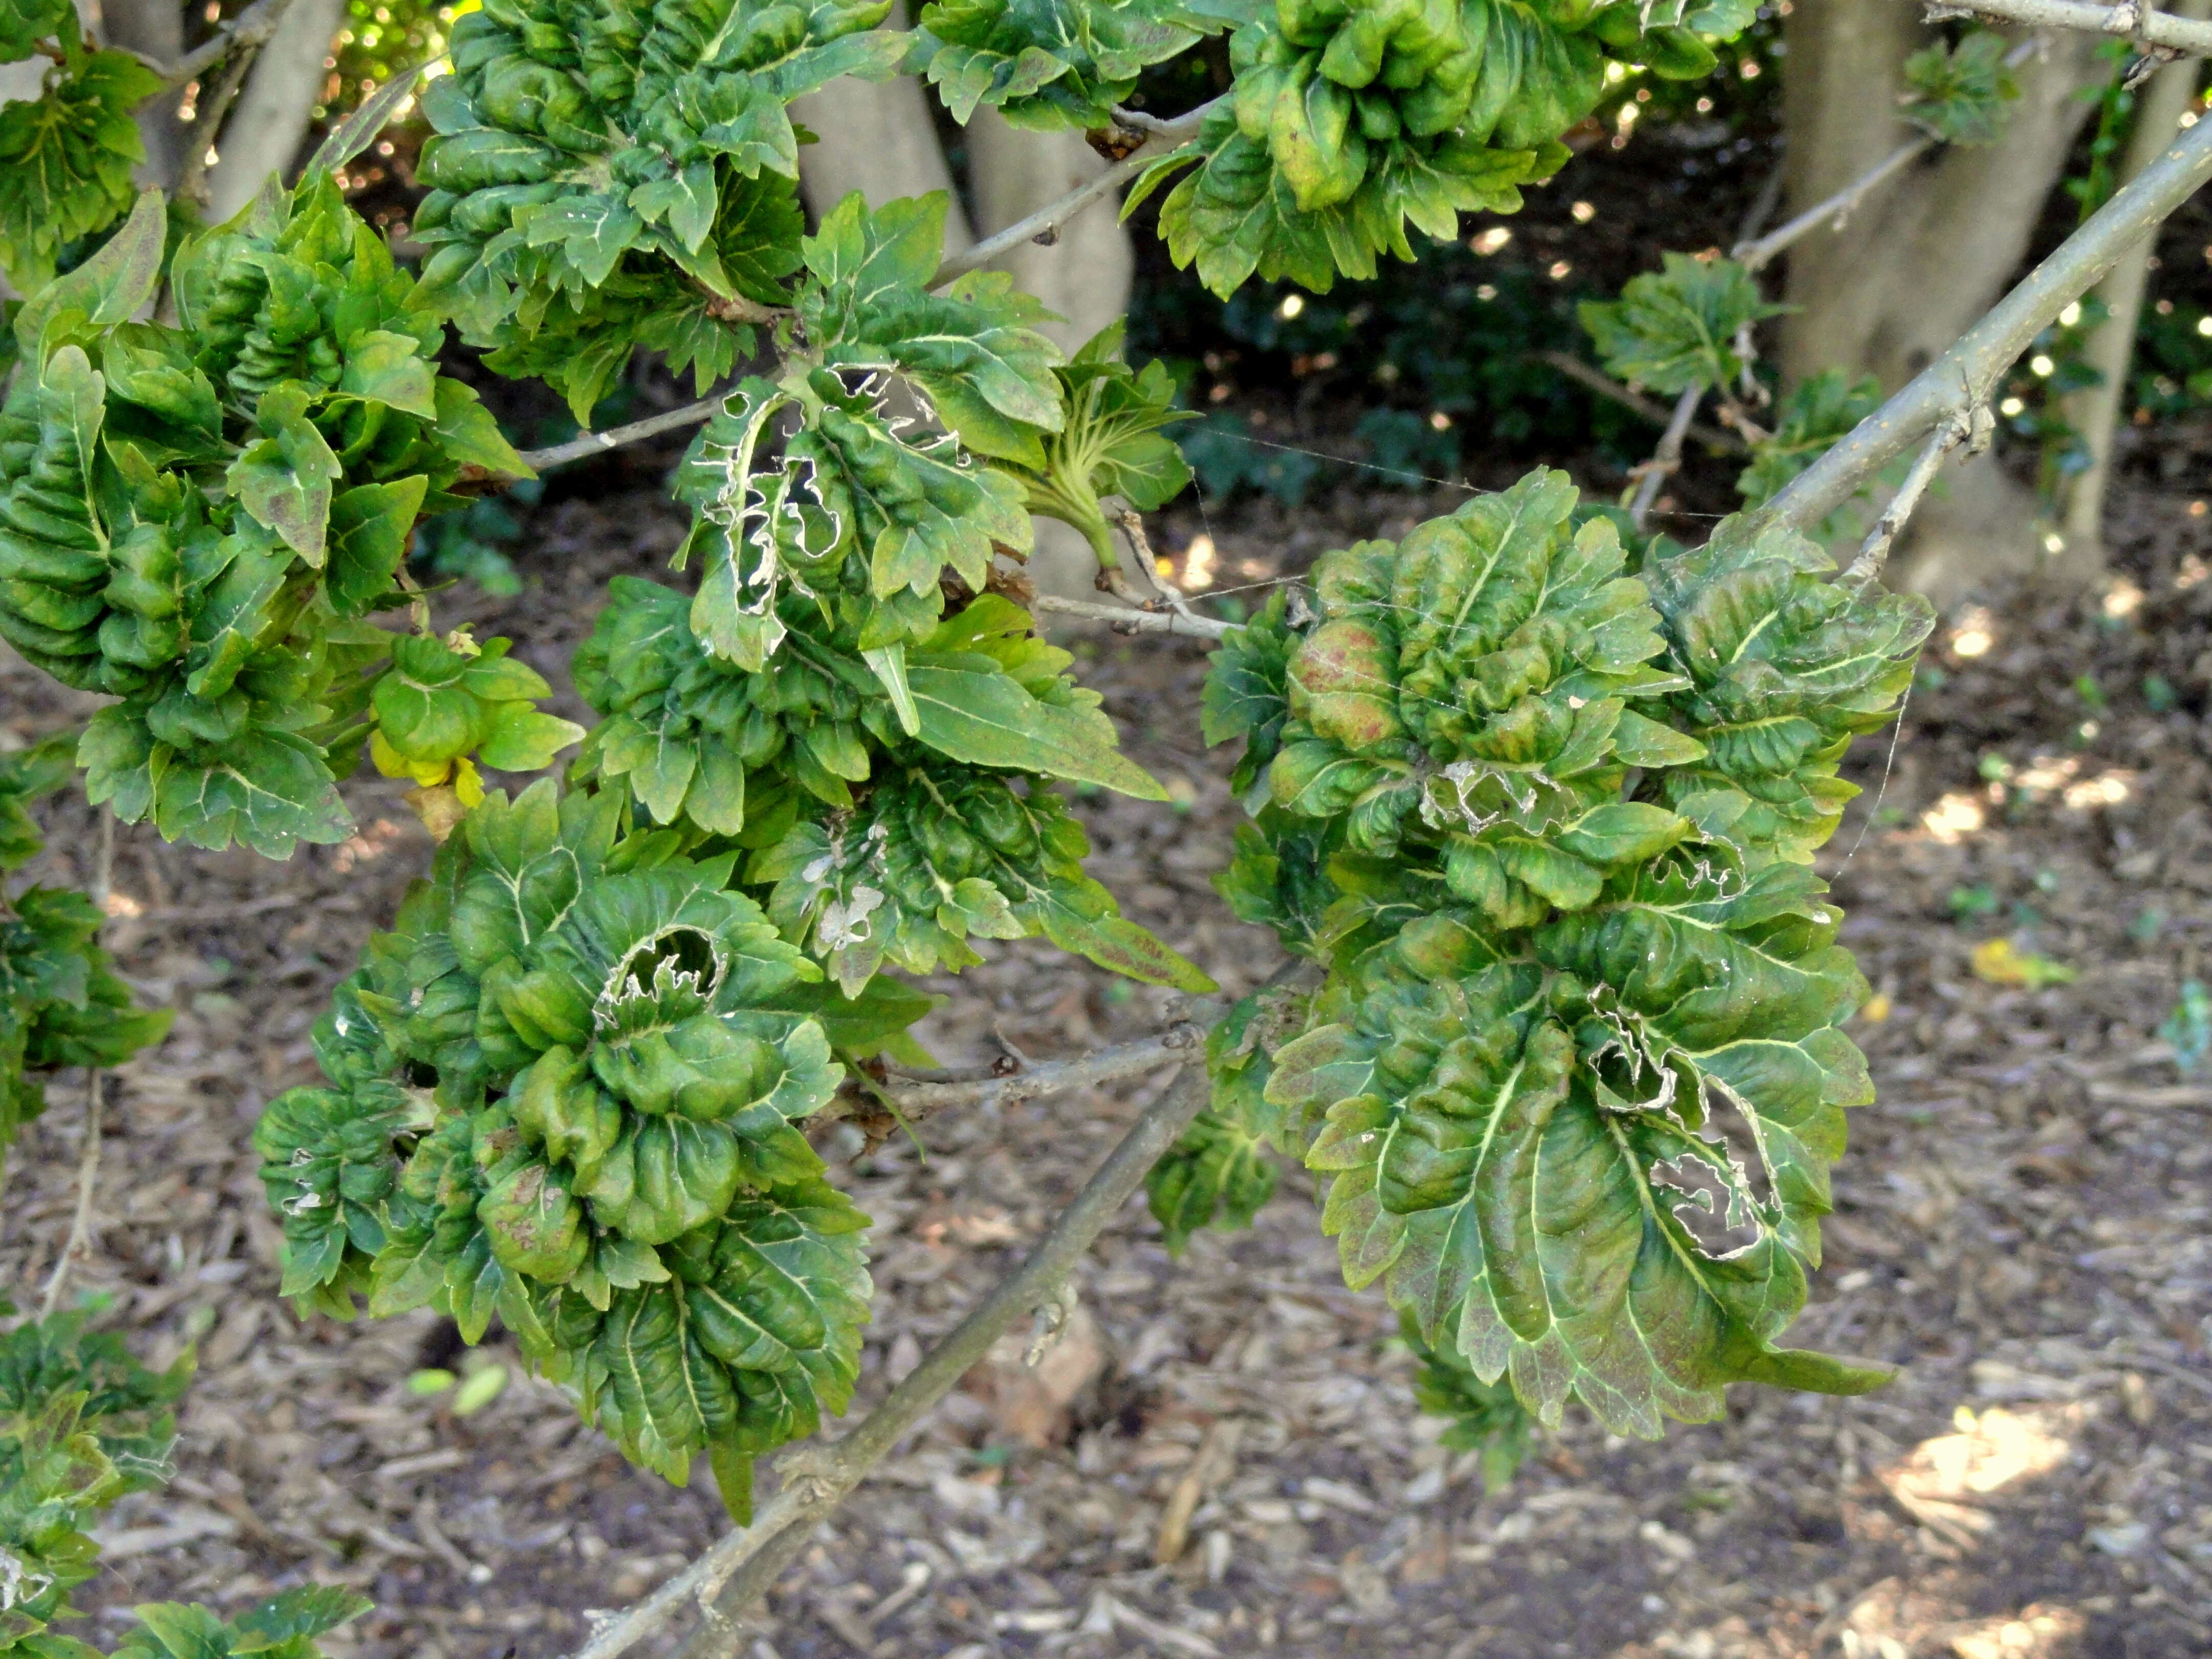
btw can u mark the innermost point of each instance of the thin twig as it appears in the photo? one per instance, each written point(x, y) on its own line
point(1756, 254)
point(1048, 222)
point(921, 1095)
point(902, 1099)
point(252, 28)
point(734, 1573)
point(207, 126)
point(1652, 411)
point(599, 443)
point(1866, 569)
point(1963, 376)
point(2131, 17)
point(87, 1166)
point(1752, 255)
point(1127, 621)
point(1667, 458)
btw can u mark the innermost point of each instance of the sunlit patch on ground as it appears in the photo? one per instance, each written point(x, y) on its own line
point(1938, 1484)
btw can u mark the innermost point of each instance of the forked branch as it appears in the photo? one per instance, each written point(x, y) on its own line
point(251, 29)
point(1126, 620)
point(1866, 569)
point(1963, 377)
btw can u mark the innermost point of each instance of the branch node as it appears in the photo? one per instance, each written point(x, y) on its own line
point(1049, 1324)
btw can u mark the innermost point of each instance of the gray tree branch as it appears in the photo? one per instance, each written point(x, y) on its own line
point(1126, 620)
point(1667, 457)
point(733, 1574)
point(1964, 376)
point(2135, 19)
point(252, 27)
point(1874, 551)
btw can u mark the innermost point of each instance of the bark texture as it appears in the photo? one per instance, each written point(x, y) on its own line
point(1891, 288)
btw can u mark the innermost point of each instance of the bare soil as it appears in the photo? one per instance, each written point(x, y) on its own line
point(2022, 1228)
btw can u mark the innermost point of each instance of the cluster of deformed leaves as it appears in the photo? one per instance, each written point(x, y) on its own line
point(199, 519)
point(565, 1090)
point(879, 788)
point(937, 852)
point(1576, 1076)
point(82, 1424)
point(1786, 668)
point(865, 510)
point(607, 175)
point(1114, 443)
point(61, 1003)
point(867, 514)
point(1350, 119)
point(66, 156)
point(1050, 64)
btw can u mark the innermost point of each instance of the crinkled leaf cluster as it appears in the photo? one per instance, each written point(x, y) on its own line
point(1679, 327)
point(693, 739)
point(1476, 678)
point(66, 155)
point(1576, 1077)
point(1220, 1172)
point(938, 853)
point(1786, 668)
point(196, 519)
point(1350, 119)
point(82, 1422)
point(865, 508)
point(565, 1090)
point(61, 1003)
point(444, 699)
point(607, 175)
point(881, 786)
point(1048, 63)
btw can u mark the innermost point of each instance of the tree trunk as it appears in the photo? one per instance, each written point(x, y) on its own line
point(155, 27)
point(264, 132)
point(1926, 256)
point(2095, 413)
point(1085, 275)
point(877, 138)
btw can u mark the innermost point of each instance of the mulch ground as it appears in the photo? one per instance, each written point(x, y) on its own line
point(2022, 1227)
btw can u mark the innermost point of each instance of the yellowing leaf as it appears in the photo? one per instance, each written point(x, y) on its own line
point(1999, 961)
